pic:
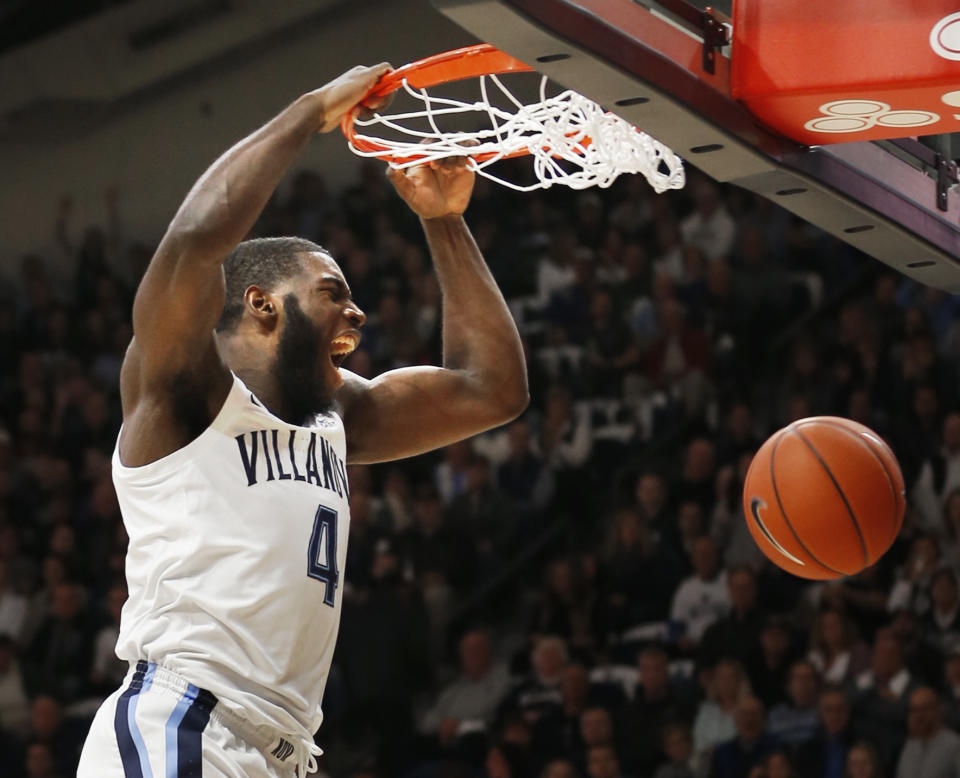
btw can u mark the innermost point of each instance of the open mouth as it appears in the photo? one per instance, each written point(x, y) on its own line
point(343, 346)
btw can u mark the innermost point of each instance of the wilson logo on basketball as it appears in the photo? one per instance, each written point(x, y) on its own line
point(755, 505)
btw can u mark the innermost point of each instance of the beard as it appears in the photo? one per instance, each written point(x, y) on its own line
point(302, 388)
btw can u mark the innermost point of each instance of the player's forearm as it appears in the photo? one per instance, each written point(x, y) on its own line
point(480, 337)
point(226, 201)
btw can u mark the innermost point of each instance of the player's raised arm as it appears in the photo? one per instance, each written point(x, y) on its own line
point(483, 381)
point(181, 296)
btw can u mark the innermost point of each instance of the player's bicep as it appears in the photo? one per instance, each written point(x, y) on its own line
point(413, 410)
point(176, 308)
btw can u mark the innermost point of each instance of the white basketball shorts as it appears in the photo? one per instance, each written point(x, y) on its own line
point(158, 725)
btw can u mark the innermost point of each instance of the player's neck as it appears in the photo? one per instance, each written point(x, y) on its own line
point(253, 364)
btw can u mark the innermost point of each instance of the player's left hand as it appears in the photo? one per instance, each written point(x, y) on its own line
point(435, 189)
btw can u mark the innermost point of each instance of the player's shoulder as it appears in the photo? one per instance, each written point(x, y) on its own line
point(353, 388)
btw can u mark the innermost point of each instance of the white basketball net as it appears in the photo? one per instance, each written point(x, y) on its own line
point(597, 144)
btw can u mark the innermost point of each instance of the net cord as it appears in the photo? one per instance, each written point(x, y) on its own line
point(596, 144)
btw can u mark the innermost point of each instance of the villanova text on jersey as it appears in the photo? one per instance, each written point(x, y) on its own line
point(291, 455)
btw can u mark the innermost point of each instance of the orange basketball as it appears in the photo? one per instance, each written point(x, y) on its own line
point(824, 497)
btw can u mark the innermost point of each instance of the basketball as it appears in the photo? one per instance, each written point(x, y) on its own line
point(824, 497)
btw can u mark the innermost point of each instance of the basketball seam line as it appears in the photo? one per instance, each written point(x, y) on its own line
point(886, 472)
point(783, 512)
point(853, 518)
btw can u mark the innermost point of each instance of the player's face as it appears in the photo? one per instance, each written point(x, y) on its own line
point(321, 327)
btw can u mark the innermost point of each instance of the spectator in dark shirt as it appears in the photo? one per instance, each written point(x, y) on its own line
point(483, 513)
point(942, 623)
point(737, 757)
point(556, 733)
point(769, 674)
point(677, 744)
point(433, 546)
point(603, 762)
point(880, 707)
point(525, 478)
point(657, 701)
point(825, 756)
point(540, 692)
point(795, 722)
point(60, 654)
point(863, 761)
point(635, 565)
point(738, 633)
point(951, 679)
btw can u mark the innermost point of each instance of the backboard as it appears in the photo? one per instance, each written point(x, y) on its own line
point(677, 73)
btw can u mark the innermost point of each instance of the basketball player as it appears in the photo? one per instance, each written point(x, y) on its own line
point(230, 466)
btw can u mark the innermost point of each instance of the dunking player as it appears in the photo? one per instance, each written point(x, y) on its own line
point(230, 466)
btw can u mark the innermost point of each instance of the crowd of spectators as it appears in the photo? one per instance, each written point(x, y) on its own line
point(576, 594)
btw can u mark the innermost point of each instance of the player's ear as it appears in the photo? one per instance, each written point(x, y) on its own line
point(261, 305)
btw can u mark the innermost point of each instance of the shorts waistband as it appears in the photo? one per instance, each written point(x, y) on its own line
point(275, 745)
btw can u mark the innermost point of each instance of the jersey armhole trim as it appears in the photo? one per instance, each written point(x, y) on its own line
point(238, 392)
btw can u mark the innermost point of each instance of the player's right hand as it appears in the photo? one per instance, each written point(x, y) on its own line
point(345, 91)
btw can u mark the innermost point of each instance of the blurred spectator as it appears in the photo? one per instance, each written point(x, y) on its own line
point(738, 633)
point(60, 653)
point(567, 606)
point(13, 698)
point(525, 478)
point(863, 761)
point(709, 227)
point(825, 755)
point(880, 707)
point(911, 589)
point(13, 607)
point(931, 751)
point(468, 703)
point(795, 722)
point(657, 701)
point(432, 545)
point(777, 765)
point(603, 762)
point(678, 746)
point(951, 676)
point(540, 693)
point(482, 513)
point(769, 675)
point(633, 566)
point(565, 436)
point(557, 731)
point(450, 475)
point(715, 722)
point(702, 598)
point(559, 768)
point(942, 623)
point(736, 757)
point(833, 651)
point(40, 763)
point(596, 729)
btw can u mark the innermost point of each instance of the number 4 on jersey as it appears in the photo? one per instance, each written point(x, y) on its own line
point(322, 553)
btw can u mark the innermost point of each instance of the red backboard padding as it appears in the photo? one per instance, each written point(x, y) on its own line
point(829, 71)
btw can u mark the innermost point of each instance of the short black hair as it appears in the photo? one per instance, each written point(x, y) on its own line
point(263, 262)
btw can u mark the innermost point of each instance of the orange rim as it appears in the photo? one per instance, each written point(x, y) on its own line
point(468, 62)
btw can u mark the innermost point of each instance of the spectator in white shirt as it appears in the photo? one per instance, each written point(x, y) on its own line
point(702, 598)
point(709, 227)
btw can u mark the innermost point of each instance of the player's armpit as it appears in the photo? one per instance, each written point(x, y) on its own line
point(412, 410)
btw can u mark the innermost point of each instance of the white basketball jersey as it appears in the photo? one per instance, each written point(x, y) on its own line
point(235, 566)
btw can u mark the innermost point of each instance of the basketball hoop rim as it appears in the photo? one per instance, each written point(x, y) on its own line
point(482, 59)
